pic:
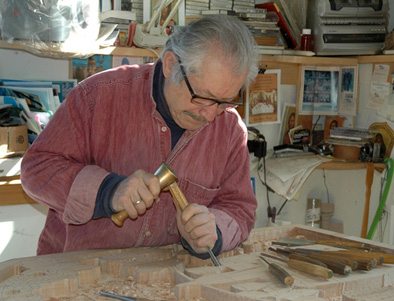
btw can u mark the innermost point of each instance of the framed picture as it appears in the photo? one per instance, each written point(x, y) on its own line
point(263, 99)
point(384, 136)
point(319, 90)
point(288, 122)
point(330, 123)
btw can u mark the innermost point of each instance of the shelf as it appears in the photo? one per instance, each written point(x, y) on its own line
point(56, 52)
point(341, 165)
point(277, 58)
point(11, 192)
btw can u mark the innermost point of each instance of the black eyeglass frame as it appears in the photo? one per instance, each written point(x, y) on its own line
point(214, 101)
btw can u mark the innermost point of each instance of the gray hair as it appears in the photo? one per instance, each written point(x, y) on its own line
point(224, 36)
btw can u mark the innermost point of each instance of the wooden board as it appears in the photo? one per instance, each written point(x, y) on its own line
point(170, 273)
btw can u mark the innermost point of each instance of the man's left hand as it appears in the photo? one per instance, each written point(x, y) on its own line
point(197, 226)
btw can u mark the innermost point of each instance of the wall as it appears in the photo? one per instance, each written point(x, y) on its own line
point(20, 225)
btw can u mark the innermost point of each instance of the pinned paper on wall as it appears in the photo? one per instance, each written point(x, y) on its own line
point(347, 103)
point(263, 99)
point(380, 88)
point(387, 110)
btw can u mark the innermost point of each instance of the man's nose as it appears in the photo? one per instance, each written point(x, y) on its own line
point(210, 112)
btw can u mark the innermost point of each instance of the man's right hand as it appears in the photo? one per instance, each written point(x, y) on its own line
point(136, 193)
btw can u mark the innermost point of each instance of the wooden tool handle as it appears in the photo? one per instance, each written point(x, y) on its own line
point(307, 259)
point(338, 243)
point(337, 267)
point(347, 261)
point(119, 218)
point(310, 268)
point(355, 256)
point(281, 274)
point(178, 196)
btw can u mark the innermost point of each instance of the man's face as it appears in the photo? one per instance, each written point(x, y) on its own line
point(216, 82)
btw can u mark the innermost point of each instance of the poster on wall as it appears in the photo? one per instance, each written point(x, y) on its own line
point(319, 90)
point(263, 99)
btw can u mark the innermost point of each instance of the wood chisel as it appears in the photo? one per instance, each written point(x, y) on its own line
point(305, 267)
point(279, 273)
point(181, 202)
point(337, 267)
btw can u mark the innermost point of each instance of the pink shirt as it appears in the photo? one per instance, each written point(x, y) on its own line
point(109, 124)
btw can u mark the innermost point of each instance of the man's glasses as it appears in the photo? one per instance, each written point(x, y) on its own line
point(205, 101)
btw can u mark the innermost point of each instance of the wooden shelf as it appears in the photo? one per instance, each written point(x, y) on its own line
point(342, 165)
point(11, 192)
point(55, 51)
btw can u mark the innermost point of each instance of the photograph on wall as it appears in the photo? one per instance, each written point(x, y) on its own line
point(348, 98)
point(263, 99)
point(83, 68)
point(332, 122)
point(288, 123)
point(384, 136)
point(319, 90)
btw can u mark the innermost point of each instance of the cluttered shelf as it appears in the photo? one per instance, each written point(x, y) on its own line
point(109, 50)
point(11, 191)
point(288, 56)
point(343, 165)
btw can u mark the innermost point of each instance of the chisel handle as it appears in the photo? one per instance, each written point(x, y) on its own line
point(310, 268)
point(178, 196)
point(306, 259)
point(281, 274)
point(180, 201)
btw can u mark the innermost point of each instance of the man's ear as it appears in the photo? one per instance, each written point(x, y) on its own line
point(169, 63)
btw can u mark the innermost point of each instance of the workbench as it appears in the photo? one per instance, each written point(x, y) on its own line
point(170, 273)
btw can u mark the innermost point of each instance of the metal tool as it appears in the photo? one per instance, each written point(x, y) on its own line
point(118, 297)
point(279, 273)
point(167, 178)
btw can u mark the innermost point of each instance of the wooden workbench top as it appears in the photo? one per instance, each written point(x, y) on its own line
point(169, 273)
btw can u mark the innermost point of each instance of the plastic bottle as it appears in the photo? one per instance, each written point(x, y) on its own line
point(306, 39)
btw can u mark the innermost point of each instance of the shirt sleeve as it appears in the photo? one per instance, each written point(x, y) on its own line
point(105, 194)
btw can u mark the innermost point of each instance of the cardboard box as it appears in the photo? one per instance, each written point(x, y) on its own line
point(13, 140)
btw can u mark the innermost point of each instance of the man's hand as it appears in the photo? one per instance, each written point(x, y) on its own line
point(136, 193)
point(197, 225)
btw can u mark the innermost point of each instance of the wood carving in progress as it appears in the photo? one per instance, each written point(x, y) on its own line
point(170, 273)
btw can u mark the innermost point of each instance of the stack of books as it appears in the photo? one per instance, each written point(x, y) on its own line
point(242, 5)
point(195, 7)
point(135, 6)
point(263, 26)
point(288, 29)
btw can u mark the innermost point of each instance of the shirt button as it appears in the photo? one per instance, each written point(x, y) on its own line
point(147, 233)
point(163, 128)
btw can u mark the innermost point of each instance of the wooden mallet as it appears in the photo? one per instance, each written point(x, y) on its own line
point(166, 177)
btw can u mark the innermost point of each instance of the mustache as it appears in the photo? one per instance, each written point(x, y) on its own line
point(198, 118)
